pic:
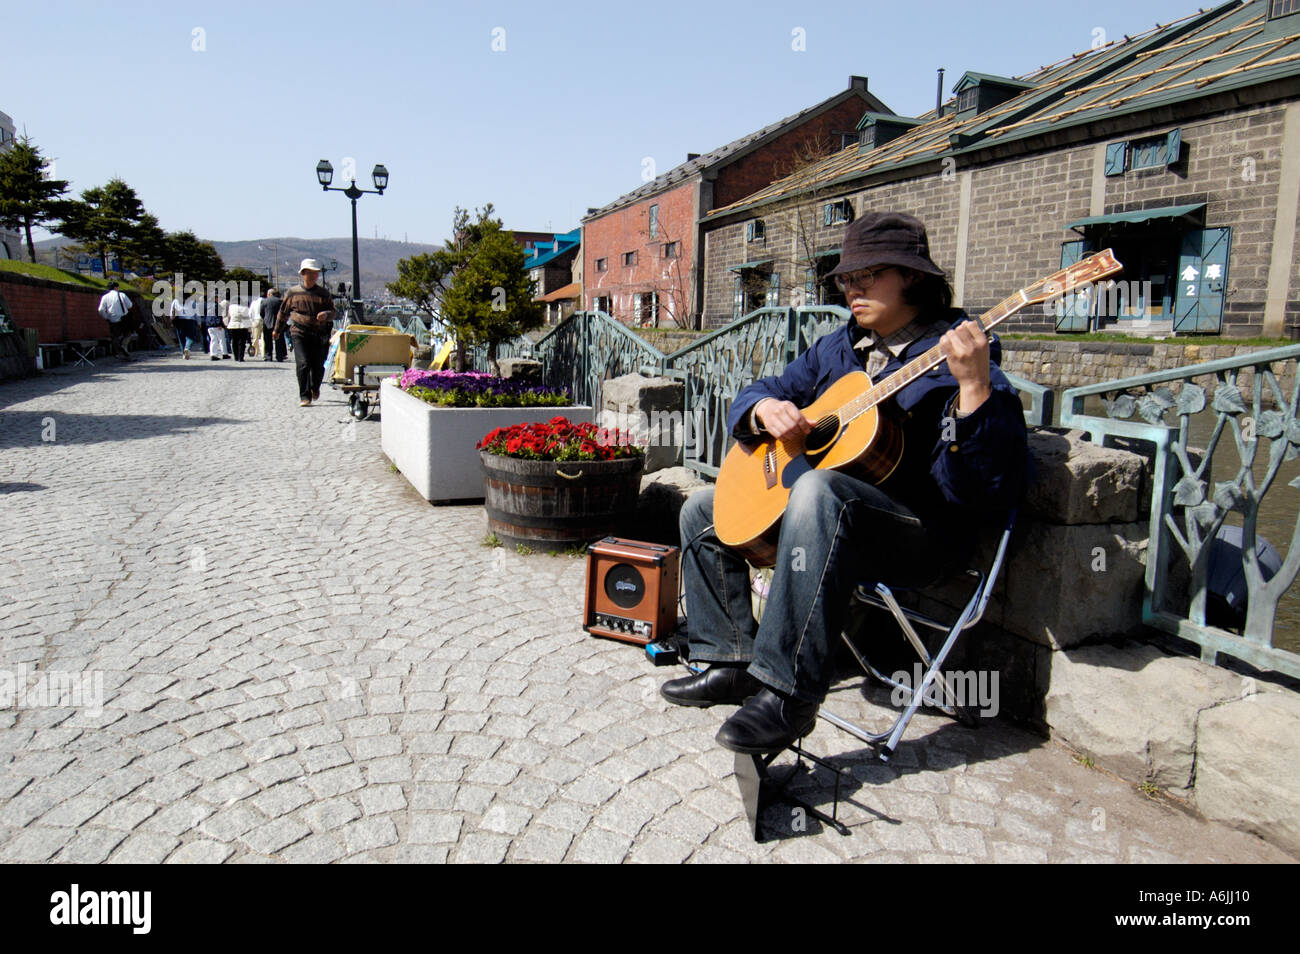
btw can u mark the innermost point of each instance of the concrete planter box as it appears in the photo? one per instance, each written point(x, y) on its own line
point(434, 448)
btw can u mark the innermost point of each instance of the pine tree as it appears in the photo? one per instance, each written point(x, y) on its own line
point(27, 196)
point(490, 299)
point(105, 220)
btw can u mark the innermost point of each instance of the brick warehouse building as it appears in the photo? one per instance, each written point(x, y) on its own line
point(1179, 148)
point(641, 254)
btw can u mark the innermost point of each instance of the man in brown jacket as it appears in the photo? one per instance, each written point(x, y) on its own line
point(307, 313)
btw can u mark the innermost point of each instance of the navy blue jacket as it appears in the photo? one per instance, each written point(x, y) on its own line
point(984, 469)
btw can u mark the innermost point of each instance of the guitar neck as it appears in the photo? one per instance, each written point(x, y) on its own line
point(927, 361)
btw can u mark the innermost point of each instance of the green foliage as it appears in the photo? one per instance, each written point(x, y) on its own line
point(1149, 789)
point(49, 272)
point(27, 196)
point(241, 274)
point(476, 285)
point(444, 397)
point(106, 219)
point(147, 245)
point(197, 261)
point(491, 540)
point(490, 300)
point(424, 279)
point(523, 549)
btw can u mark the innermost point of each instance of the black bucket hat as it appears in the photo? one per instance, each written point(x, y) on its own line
point(886, 238)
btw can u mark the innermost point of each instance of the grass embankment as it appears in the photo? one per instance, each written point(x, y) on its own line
point(50, 273)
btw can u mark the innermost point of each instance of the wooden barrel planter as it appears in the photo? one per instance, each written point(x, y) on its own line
point(557, 505)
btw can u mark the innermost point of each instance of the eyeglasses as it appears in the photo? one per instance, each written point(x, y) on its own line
point(861, 280)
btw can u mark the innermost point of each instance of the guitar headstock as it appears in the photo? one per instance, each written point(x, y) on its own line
point(1095, 268)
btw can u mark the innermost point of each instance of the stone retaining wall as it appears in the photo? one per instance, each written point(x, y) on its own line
point(1072, 364)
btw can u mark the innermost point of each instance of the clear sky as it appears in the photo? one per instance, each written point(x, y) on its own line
point(217, 112)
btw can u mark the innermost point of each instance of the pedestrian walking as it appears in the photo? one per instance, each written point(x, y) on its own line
point(270, 308)
point(216, 328)
point(240, 322)
point(307, 314)
point(184, 316)
point(255, 325)
point(114, 306)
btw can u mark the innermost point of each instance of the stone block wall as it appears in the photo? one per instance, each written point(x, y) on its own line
point(1071, 364)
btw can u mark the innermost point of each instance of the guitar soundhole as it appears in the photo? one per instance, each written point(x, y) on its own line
point(822, 435)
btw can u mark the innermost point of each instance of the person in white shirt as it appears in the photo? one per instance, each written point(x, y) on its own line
point(255, 328)
point(113, 308)
point(240, 322)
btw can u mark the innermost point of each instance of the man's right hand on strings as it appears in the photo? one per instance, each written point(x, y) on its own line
point(781, 419)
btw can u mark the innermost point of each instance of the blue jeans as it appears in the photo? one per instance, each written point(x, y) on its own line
point(187, 333)
point(836, 532)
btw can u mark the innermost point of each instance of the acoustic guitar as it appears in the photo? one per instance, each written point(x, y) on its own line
point(849, 433)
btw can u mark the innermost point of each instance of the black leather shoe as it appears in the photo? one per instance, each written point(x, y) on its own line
point(717, 685)
point(769, 722)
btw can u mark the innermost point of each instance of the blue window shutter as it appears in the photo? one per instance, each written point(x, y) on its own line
point(829, 211)
point(1173, 146)
point(1071, 311)
point(738, 305)
point(1116, 153)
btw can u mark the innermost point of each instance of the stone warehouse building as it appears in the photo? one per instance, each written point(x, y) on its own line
point(1179, 148)
point(641, 254)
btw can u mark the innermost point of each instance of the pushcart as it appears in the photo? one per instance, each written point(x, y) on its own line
point(360, 356)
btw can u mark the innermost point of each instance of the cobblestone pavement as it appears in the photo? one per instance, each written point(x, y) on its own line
point(303, 661)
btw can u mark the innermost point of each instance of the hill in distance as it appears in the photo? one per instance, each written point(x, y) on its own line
point(378, 258)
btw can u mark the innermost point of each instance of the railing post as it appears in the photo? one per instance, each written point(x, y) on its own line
point(791, 334)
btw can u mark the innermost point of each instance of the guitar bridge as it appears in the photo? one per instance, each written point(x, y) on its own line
point(769, 466)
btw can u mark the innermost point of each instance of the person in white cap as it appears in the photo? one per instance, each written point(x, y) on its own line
point(307, 313)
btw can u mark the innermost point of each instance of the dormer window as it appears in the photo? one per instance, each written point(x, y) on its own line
point(1282, 8)
point(980, 92)
point(876, 129)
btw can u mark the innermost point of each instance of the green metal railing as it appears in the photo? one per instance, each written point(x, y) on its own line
point(588, 347)
point(1186, 512)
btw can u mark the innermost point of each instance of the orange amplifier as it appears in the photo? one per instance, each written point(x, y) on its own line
point(631, 590)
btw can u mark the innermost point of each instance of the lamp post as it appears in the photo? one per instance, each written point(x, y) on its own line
point(325, 175)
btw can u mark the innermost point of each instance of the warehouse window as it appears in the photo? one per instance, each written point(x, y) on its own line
point(1151, 152)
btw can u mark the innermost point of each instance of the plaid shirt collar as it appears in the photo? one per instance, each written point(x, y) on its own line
point(896, 342)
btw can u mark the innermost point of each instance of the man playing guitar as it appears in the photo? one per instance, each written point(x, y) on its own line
point(964, 457)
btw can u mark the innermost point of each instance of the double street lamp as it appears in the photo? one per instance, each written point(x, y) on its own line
point(325, 175)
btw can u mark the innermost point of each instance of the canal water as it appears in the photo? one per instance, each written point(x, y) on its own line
point(1278, 512)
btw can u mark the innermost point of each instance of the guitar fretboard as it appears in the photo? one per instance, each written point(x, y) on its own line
point(925, 362)
point(1094, 268)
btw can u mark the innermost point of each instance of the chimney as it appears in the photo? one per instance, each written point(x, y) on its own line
point(692, 155)
point(938, 96)
point(858, 82)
